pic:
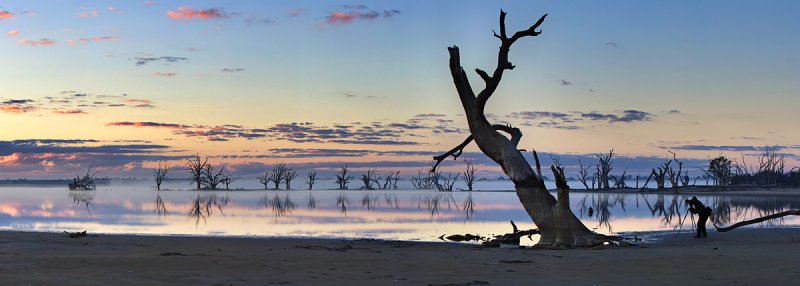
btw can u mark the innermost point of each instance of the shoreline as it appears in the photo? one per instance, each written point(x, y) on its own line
point(748, 256)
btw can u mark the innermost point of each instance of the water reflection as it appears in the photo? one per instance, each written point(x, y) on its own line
point(84, 198)
point(202, 207)
point(395, 214)
point(281, 207)
point(161, 208)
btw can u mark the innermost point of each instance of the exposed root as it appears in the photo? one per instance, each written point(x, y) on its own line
point(757, 220)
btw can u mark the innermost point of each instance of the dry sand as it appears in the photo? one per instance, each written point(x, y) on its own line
point(743, 256)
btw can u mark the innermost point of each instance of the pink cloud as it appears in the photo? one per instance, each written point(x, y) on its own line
point(165, 74)
point(69, 111)
point(40, 42)
point(296, 12)
point(148, 124)
point(188, 13)
point(5, 15)
point(358, 12)
point(12, 33)
point(87, 14)
point(93, 39)
point(114, 9)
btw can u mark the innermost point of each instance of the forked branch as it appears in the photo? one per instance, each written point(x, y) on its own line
point(515, 133)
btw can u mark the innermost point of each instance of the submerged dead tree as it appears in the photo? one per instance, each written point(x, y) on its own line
point(160, 174)
point(604, 168)
point(558, 225)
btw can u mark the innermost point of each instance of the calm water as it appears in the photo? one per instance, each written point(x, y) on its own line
point(399, 214)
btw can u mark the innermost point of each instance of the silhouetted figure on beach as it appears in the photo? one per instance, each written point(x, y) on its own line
point(703, 212)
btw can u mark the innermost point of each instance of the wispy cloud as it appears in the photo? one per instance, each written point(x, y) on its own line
point(576, 119)
point(188, 13)
point(165, 74)
point(69, 111)
point(148, 124)
point(12, 33)
point(140, 61)
point(93, 39)
point(735, 148)
point(350, 13)
point(40, 42)
point(232, 70)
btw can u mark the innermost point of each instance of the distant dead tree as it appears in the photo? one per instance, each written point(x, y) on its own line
point(720, 170)
point(583, 175)
point(312, 178)
point(160, 173)
point(85, 183)
point(423, 181)
point(278, 174)
point(289, 175)
point(228, 179)
point(771, 167)
point(264, 180)
point(660, 175)
point(368, 179)
point(685, 179)
point(675, 175)
point(469, 175)
point(619, 181)
point(342, 179)
point(444, 184)
point(211, 179)
point(390, 181)
point(604, 166)
point(196, 168)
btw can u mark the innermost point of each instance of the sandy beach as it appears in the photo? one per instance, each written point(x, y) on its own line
point(740, 257)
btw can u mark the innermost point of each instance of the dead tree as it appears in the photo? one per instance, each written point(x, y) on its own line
point(160, 174)
point(278, 174)
point(619, 181)
point(771, 167)
point(288, 176)
point(469, 175)
point(423, 181)
point(211, 179)
point(444, 184)
point(660, 176)
point(342, 179)
point(228, 179)
point(368, 179)
point(675, 175)
point(196, 168)
point(604, 168)
point(264, 180)
point(558, 225)
point(390, 180)
point(720, 170)
point(312, 178)
point(757, 220)
point(584, 175)
point(85, 183)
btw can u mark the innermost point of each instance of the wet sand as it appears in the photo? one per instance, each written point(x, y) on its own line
point(750, 256)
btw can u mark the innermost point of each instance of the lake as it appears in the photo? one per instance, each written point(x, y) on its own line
point(419, 215)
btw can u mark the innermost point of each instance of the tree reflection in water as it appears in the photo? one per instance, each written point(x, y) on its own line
point(469, 206)
point(83, 198)
point(161, 208)
point(369, 202)
point(342, 202)
point(727, 209)
point(202, 207)
point(312, 203)
point(391, 201)
point(435, 202)
point(279, 207)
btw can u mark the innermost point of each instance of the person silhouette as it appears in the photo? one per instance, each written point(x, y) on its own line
point(703, 212)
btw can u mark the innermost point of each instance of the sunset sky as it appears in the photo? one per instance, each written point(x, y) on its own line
point(316, 84)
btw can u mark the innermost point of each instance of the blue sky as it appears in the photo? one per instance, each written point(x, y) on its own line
point(228, 79)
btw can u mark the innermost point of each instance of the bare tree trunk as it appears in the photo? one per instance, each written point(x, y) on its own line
point(558, 225)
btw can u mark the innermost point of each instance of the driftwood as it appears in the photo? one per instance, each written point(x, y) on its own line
point(510, 238)
point(757, 220)
point(77, 234)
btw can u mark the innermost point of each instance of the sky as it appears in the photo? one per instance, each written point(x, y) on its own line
point(125, 85)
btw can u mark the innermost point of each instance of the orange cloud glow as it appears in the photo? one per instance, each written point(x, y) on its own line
point(40, 42)
point(148, 124)
point(16, 108)
point(92, 39)
point(165, 74)
point(340, 17)
point(69, 111)
point(12, 33)
point(188, 13)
